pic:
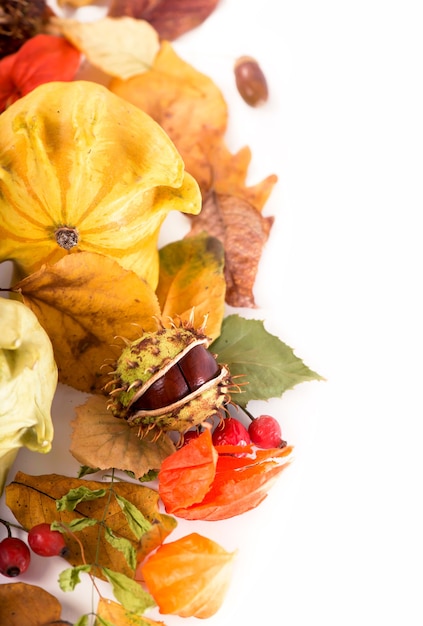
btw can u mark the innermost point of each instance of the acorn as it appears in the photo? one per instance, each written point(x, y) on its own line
point(19, 21)
point(170, 380)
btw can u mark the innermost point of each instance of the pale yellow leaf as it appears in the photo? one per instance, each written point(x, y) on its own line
point(122, 47)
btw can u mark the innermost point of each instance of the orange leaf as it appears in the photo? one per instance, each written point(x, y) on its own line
point(189, 576)
point(186, 475)
point(21, 603)
point(84, 301)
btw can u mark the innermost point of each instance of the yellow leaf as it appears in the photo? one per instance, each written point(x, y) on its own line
point(32, 501)
point(84, 302)
point(192, 281)
point(116, 614)
point(122, 47)
point(189, 577)
point(29, 605)
point(103, 441)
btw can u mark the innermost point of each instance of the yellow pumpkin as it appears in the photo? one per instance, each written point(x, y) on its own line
point(81, 169)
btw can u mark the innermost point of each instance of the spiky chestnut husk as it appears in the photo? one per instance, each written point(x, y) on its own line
point(19, 21)
point(170, 380)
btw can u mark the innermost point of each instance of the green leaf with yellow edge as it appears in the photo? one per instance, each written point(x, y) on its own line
point(192, 281)
point(262, 360)
point(103, 441)
point(129, 593)
point(70, 577)
point(32, 500)
point(84, 301)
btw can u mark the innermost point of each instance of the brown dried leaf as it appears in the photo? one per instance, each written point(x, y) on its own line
point(243, 232)
point(192, 280)
point(84, 301)
point(103, 441)
point(115, 613)
point(21, 603)
point(32, 501)
point(171, 18)
point(122, 47)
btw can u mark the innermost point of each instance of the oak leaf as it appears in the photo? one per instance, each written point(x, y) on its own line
point(22, 603)
point(189, 577)
point(243, 232)
point(122, 47)
point(192, 282)
point(171, 18)
point(84, 301)
point(103, 441)
point(32, 499)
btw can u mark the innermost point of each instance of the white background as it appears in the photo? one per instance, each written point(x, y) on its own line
point(339, 538)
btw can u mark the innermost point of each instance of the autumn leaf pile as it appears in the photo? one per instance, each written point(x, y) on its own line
point(90, 298)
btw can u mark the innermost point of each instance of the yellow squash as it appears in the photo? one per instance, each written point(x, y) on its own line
point(83, 170)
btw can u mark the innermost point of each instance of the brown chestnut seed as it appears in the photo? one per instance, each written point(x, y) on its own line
point(250, 81)
point(197, 367)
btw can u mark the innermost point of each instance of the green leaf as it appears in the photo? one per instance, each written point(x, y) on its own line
point(83, 621)
point(70, 501)
point(129, 593)
point(262, 360)
point(123, 545)
point(136, 520)
point(74, 525)
point(69, 578)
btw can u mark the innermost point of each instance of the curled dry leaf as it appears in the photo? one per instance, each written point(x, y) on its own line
point(192, 280)
point(101, 440)
point(32, 501)
point(243, 232)
point(29, 605)
point(171, 18)
point(189, 577)
point(121, 47)
point(114, 613)
point(84, 302)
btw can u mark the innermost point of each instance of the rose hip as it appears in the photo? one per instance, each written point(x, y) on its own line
point(230, 432)
point(46, 542)
point(265, 432)
point(14, 557)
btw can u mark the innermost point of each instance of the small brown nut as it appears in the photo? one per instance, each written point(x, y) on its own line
point(250, 81)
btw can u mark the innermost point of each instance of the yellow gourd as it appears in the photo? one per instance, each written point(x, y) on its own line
point(83, 170)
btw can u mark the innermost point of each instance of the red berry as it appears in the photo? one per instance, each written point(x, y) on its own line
point(230, 432)
point(265, 432)
point(14, 557)
point(189, 436)
point(46, 542)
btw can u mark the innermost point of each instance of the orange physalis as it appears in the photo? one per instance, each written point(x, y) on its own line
point(192, 485)
point(189, 577)
point(41, 59)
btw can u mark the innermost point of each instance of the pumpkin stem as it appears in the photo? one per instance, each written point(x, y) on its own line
point(66, 237)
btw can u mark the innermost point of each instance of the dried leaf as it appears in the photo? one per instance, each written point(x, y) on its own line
point(32, 499)
point(22, 603)
point(171, 18)
point(115, 613)
point(195, 484)
point(192, 278)
point(103, 441)
point(193, 112)
point(243, 232)
point(83, 302)
point(189, 577)
point(75, 3)
point(121, 47)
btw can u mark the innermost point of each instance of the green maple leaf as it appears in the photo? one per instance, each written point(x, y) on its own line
point(255, 356)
